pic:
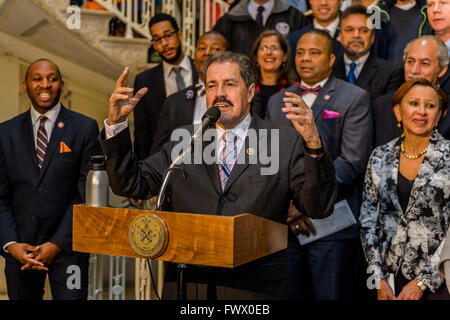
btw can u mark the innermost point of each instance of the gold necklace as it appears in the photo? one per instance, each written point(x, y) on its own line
point(402, 148)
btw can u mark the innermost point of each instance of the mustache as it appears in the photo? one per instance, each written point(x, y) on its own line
point(222, 99)
point(360, 41)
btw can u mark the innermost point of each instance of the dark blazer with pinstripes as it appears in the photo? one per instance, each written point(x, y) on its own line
point(310, 182)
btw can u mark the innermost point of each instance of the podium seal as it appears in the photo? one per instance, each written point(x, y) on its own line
point(148, 235)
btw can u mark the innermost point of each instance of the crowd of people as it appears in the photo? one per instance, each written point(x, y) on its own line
point(358, 93)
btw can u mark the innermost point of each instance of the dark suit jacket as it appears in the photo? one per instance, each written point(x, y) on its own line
point(377, 76)
point(178, 110)
point(310, 182)
point(347, 137)
point(146, 113)
point(36, 205)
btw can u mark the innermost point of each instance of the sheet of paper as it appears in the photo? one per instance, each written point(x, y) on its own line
point(341, 218)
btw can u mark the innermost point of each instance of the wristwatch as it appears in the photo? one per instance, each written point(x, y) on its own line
point(314, 152)
point(421, 285)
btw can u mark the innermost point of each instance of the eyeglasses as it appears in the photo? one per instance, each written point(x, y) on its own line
point(272, 48)
point(167, 37)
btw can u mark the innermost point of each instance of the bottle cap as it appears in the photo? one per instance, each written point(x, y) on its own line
point(97, 162)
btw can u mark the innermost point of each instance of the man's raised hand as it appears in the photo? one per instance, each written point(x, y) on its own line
point(120, 104)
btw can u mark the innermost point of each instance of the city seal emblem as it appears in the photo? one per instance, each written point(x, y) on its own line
point(148, 235)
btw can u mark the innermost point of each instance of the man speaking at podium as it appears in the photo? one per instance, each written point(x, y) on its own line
point(229, 186)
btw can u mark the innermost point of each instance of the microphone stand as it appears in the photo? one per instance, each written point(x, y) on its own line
point(209, 118)
point(181, 280)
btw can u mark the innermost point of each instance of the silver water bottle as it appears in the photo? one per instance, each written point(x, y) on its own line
point(97, 182)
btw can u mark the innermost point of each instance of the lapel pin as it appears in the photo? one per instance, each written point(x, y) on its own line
point(327, 97)
point(60, 124)
point(250, 151)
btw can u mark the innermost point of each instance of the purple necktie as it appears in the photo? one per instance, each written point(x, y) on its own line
point(227, 157)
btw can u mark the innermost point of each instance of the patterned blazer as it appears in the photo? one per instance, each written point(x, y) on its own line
point(411, 241)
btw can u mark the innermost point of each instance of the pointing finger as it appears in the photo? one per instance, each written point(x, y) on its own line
point(122, 81)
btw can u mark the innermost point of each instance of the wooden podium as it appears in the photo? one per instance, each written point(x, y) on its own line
point(199, 239)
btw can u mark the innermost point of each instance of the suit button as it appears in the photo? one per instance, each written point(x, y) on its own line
point(33, 218)
point(38, 189)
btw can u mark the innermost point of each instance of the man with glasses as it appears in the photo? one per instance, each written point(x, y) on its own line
point(175, 73)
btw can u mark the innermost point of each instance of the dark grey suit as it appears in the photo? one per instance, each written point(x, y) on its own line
point(349, 141)
point(310, 182)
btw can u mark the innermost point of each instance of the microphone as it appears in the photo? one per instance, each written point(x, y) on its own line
point(209, 118)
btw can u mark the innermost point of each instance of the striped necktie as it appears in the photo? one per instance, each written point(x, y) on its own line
point(41, 142)
point(227, 158)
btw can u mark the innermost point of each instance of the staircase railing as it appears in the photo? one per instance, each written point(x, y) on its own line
point(134, 13)
point(195, 16)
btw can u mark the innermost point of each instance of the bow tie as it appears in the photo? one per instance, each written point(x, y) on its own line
point(304, 90)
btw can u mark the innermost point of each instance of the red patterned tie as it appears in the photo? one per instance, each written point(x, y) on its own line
point(304, 90)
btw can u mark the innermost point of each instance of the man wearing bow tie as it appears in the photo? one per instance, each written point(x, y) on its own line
point(326, 268)
point(188, 106)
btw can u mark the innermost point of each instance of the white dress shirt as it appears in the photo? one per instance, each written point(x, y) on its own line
point(240, 131)
point(310, 98)
point(170, 75)
point(253, 9)
point(359, 64)
point(406, 6)
point(331, 28)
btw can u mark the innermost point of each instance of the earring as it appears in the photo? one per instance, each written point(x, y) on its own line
point(435, 129)
point(399, 124)
point(283, 65)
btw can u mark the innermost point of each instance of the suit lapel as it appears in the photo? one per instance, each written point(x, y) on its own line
point(392, 176)
point(325, 95)
point(368, 71)
point(55, 138)
point(194, 72)
point(160, 84)
point(213, 170)
point(187, 112)
point(339, 69)
point(27, 130)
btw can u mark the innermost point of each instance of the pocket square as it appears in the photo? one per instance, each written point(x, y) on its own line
point(328, 114)
point(64, 148)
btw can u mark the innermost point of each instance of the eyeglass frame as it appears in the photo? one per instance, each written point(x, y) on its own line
point(272, 48)
point(167, 37)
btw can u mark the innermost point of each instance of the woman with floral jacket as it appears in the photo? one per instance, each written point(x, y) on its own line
point(405, 211)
